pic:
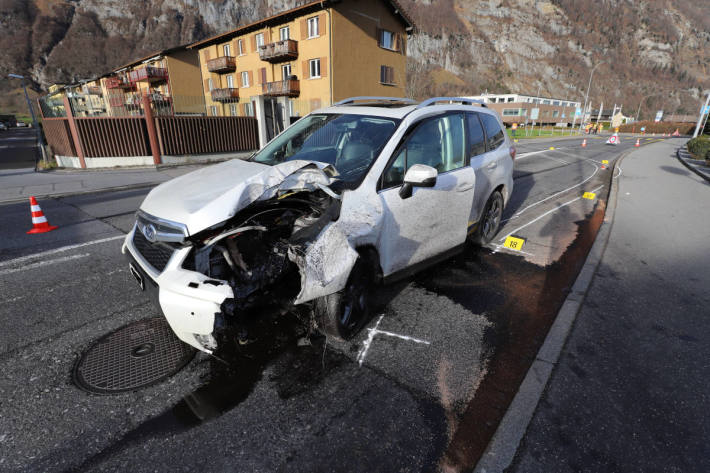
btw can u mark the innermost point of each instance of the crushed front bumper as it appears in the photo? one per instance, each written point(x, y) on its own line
point(188, 300)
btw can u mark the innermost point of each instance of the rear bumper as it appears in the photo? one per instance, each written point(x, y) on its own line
point(188, 303)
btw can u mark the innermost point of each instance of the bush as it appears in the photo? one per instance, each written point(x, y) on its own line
point(657, 127)
point(700, 147)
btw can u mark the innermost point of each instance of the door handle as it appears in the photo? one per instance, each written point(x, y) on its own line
point(464, 186)
point(493, 165)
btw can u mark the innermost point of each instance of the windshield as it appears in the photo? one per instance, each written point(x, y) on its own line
point(349, 142)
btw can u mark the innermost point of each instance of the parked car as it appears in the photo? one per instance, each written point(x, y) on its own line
point(3, 126)
point(21, 124)
point(348, 196)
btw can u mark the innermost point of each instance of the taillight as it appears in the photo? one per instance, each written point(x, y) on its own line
point(512, 152)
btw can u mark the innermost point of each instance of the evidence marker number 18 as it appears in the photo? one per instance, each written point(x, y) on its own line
point(514, 243)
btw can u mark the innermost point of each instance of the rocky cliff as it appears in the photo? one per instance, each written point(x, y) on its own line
point(461, 46)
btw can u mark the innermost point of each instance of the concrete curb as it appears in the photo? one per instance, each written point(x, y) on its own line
point(501, 450)
point(141, 185)
point(690, 166)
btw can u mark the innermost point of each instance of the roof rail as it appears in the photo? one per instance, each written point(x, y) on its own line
point(374, 99)
point(463, 100)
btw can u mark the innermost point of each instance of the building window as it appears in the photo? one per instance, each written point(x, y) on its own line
point(210, 84)
point(511, 112)
point(291, 108)
point(213, 110)
point(546, 102)
point(284, 33)
point(227, 50)
point(510, 99)
point(556, 102)
point(233, 109)
point(313, 27)
point(386, 39)
point(314, 68)
point(249, 109)
point(230, 81)
point(259, 40)
point(555, 113)
point(286, 71)
point(240, 47)
point(245, 79)
point(387, 75)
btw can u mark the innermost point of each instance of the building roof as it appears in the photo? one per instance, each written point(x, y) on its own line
point(162, 52)
point(305, 8)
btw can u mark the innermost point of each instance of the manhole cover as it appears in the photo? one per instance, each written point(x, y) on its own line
point(134, 356)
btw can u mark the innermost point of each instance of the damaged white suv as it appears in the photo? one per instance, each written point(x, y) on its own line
point(349, 195)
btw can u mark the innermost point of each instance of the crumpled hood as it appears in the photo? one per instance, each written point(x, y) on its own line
point(213, 194)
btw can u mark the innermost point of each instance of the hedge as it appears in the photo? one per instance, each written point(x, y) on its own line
point(658, 127)
point(700, 147)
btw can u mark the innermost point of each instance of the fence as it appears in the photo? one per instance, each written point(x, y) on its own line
point(111, 141)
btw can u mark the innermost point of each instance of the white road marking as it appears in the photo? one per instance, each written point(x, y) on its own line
point(367, 343)
point(519, 212)
point(58, 250)
point(618, 175)
point(503, 248)
point(40, 264)
point(547, 213)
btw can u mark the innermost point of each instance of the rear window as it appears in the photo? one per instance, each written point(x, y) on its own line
point(494, 134)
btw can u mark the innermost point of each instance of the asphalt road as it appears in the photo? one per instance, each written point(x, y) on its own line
point(18, 148)
point(448, 347)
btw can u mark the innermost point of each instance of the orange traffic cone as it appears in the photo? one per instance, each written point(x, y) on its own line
point(39, 221)
point(584, 143)
point(638, 143)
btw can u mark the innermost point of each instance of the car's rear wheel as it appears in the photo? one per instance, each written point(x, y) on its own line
point(343, 314)
point(489, 223)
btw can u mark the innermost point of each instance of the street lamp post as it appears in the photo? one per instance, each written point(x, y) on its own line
point(586, 97)
point(641, 103)
point(40, 143)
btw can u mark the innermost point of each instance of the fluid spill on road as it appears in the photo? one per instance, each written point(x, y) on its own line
point(522, 300)
point(297, 361)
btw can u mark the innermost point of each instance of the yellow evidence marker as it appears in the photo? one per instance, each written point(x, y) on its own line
point(514, 243)
point(605, 161)
point(552, 148)
point(589, 195)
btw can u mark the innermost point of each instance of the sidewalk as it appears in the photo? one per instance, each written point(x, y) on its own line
point(630, 389)
point(19, 184)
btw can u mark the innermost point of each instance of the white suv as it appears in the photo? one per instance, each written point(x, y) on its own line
point(348, 196)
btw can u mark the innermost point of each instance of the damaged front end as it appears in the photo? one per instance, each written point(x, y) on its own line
point(257, 253)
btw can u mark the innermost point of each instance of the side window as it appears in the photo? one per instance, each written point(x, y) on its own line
point(437, 142)
point(476, 138)
point(493, 131)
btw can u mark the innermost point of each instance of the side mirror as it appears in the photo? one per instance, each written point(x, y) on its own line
point(419, 175)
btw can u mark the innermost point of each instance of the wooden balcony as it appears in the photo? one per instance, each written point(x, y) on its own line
point(93, 90)
point(148, 74)
point(225, 95)
point(222, 64)
point(280, 51)
point(282, 88)
point(118, 82)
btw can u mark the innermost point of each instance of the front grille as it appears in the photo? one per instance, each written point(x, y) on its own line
point(156, 254)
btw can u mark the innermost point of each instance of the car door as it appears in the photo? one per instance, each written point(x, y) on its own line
point(483, 162)
point(433, 219)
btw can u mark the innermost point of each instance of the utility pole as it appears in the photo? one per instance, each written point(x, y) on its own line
point(586, 97)
point(700, 117)
point(40, 142)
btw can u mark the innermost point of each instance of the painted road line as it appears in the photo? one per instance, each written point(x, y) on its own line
point(40, 264)
point(58, 250)
point(520, 212)
point(533, 153)
point(547, 213)
point(367, 343)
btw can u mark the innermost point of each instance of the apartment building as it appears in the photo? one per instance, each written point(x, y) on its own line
point(519, 108)
point(170, 77)
point(306, 58)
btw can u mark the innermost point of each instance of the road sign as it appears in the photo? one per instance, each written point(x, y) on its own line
point(577, 111)
point(659, 116)
point(706, 109)
point(534, 113)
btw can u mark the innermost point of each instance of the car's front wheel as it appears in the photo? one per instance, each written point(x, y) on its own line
point(489, 223)
point(342, 314)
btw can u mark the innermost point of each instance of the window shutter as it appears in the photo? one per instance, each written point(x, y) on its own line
point(207, 55)
point(251, 77)
point(378, 34)
point(267, 36)
point(253, 43)
point(244, 109)
point(321, 24)
point(304, 29)
point(306, 73)
point(263, 75)
point(207, 85)
point(397, 42)
point(390, 75)
point(402, 44)
point(324, 67)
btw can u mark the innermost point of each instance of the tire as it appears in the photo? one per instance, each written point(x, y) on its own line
point(489, 223)
point(343, 314)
